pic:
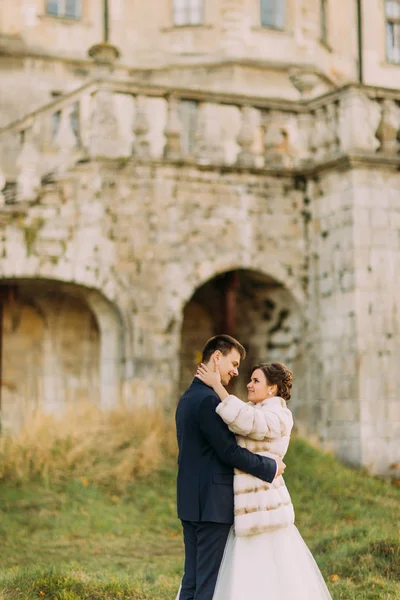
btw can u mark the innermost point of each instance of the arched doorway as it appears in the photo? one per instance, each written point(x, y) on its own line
point(58, 347)
point(253, 307)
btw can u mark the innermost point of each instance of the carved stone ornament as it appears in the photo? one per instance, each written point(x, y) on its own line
point(104, 54)
point(308, 82)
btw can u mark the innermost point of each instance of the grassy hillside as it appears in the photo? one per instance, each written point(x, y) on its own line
point(70, 536)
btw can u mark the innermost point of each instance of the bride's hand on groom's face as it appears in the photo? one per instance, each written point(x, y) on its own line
point(211, 378)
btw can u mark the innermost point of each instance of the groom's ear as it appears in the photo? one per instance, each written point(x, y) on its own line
point(216, 357)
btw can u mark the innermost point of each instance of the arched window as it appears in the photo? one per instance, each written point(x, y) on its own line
point(393, 30)
point(188, 12)
point(273, 13)
point(71, 9)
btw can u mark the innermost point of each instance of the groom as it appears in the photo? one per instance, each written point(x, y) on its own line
point(208, 452)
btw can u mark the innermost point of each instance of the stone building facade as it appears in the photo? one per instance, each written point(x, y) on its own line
point(176, 168)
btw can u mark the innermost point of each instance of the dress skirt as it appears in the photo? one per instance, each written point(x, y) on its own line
point(275, 565)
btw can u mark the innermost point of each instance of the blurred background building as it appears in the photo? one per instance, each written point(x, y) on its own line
point(172, 169)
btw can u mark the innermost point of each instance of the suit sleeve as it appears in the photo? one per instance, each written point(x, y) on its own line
point(254, 422)
point(225, 446)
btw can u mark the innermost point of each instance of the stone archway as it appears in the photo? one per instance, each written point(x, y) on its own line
point(253, 307)
point(61, 344)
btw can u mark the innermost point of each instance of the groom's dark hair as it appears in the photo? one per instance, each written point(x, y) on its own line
point(224, 343)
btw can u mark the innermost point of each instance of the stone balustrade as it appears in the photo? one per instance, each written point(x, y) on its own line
point(107, 119)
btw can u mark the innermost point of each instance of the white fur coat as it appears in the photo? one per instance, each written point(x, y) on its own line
point(264, 429)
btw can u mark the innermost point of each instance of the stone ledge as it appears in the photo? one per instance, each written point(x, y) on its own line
point(336, 162)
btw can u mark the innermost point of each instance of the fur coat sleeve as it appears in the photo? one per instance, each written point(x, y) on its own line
point(269, 419)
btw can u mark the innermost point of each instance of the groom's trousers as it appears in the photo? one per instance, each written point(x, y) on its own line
point(204, 549)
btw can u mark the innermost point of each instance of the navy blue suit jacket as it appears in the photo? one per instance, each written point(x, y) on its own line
point(208, 452)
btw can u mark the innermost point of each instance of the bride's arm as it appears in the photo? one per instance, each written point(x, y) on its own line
point(255, 422)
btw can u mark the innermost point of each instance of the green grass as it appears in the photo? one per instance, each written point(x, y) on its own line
point(74, 541)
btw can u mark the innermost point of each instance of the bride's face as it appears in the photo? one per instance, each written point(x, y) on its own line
point(258, 388)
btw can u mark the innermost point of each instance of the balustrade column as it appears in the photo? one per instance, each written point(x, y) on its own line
point(173, 131)
point(28, 169)
point(305, 130)
point(332, 127)
point(274, 141)
point(46, 133)
point(105, 140)
point(141, 145)
point(389, 128)
point(208, 136)
point(245, 139)
point(65, 140)
point(321, 141)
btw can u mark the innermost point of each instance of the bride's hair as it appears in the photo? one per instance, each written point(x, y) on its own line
point(277, 373)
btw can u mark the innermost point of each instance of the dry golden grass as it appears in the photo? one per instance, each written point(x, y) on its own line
point(106, 448)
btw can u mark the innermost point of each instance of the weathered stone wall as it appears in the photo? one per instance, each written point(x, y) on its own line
point(377, 275)
point(318, 261)
point(146, 239)
point(333, 409)
point(352, 344)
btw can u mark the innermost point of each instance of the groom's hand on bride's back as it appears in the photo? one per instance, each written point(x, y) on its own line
point(281, 467)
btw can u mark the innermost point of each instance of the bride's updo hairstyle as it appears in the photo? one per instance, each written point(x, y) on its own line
point(277, 373)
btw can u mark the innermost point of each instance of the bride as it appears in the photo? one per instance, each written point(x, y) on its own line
point(265, 556)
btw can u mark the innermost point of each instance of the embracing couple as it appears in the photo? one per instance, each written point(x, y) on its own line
point(237, 516)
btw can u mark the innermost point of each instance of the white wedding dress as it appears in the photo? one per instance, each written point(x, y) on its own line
point(275, 565)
